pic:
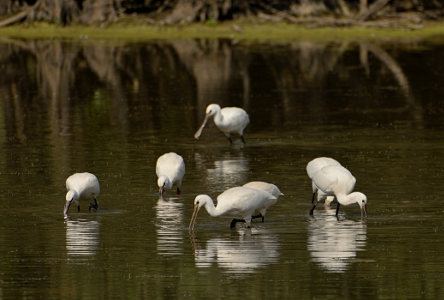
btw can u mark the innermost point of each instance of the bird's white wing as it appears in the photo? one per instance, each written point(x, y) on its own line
point(83, 182)
point(235, 115)
point(264, 186)
point(334, 179)
point(318, 163)
point(242, 199)
point(170, 164)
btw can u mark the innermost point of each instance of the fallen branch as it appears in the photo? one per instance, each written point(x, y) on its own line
point(19, 16)
point(375, 7)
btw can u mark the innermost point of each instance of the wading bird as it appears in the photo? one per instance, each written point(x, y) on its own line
point(237, 201)
point(338, 181)
point(269, 188)
point(81, 186)
point(170, 169)
point(229, 120)
point(314, 166)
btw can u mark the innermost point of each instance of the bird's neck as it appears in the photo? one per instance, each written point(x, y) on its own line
point(218, 117)
point(211, 209)
point(344, 199)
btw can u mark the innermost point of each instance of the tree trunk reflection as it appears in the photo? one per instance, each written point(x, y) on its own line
point(140, 84)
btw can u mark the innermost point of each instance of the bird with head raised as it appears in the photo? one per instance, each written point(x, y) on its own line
point(237, 201)
point(229, 120)
point(314, 166)
point(339, 182)
point(81, 186)
point(170, 169)
point(269, 188)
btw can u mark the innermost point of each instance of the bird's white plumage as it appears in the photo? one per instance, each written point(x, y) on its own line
point(170, 169)
point(237, 201)
point(81, 186)
point(267, 187)
point(334, 180)
point(314, 166)
point(338, 181)
point(229, 120)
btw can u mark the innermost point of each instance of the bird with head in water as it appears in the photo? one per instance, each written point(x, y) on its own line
point(314, 166)
point(237, 201)
point(229, 120)
point(81, 186)
point(170, 170)
point(339, 182)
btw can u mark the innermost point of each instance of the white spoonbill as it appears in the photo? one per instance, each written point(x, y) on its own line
point(338, 181)
point(229, 120)
point(170, 169)
point(236, 201)
point(312, 167)
point(81, 186)
point(269, 188)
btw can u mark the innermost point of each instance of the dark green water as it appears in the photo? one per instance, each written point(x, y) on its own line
point(112, 110)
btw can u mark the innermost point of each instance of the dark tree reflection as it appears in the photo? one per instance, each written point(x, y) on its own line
point(141, 86)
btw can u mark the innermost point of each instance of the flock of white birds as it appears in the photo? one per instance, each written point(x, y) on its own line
point(330, 180)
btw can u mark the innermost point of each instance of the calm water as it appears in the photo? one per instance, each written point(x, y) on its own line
point(112, 110)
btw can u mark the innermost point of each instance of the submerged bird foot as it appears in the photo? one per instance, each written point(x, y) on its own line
point(178, 191)
point(92, 205)
point(258, 216)
point(234, 221)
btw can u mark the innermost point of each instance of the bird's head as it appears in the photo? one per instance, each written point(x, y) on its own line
point(164, 183)
point(70, 196)
point(361, 199)
point(212, 109)
point(199, 201)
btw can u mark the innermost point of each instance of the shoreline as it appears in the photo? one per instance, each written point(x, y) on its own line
point(432, 31)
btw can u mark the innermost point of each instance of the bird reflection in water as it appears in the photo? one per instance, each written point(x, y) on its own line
point(333, 244)
point(228, 171)
point(238, 254)
point(169, 226)
point(82, 238)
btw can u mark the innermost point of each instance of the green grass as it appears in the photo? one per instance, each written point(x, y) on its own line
point(251, 31)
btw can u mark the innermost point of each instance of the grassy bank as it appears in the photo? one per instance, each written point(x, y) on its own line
point(245, 30)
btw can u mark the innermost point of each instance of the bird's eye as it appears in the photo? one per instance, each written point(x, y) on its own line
point(197, 202)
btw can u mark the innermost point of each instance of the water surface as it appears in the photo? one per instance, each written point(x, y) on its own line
point(112, 110)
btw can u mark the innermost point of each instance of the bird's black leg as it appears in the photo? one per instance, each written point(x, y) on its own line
point(231, 141)
point(242, 138)
point(313, 208)
point(234, 221)
point(258, 216)
point(178, 191)
point(95, 205)
point(337, 209)
point(78, 208)
point(313, 198)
